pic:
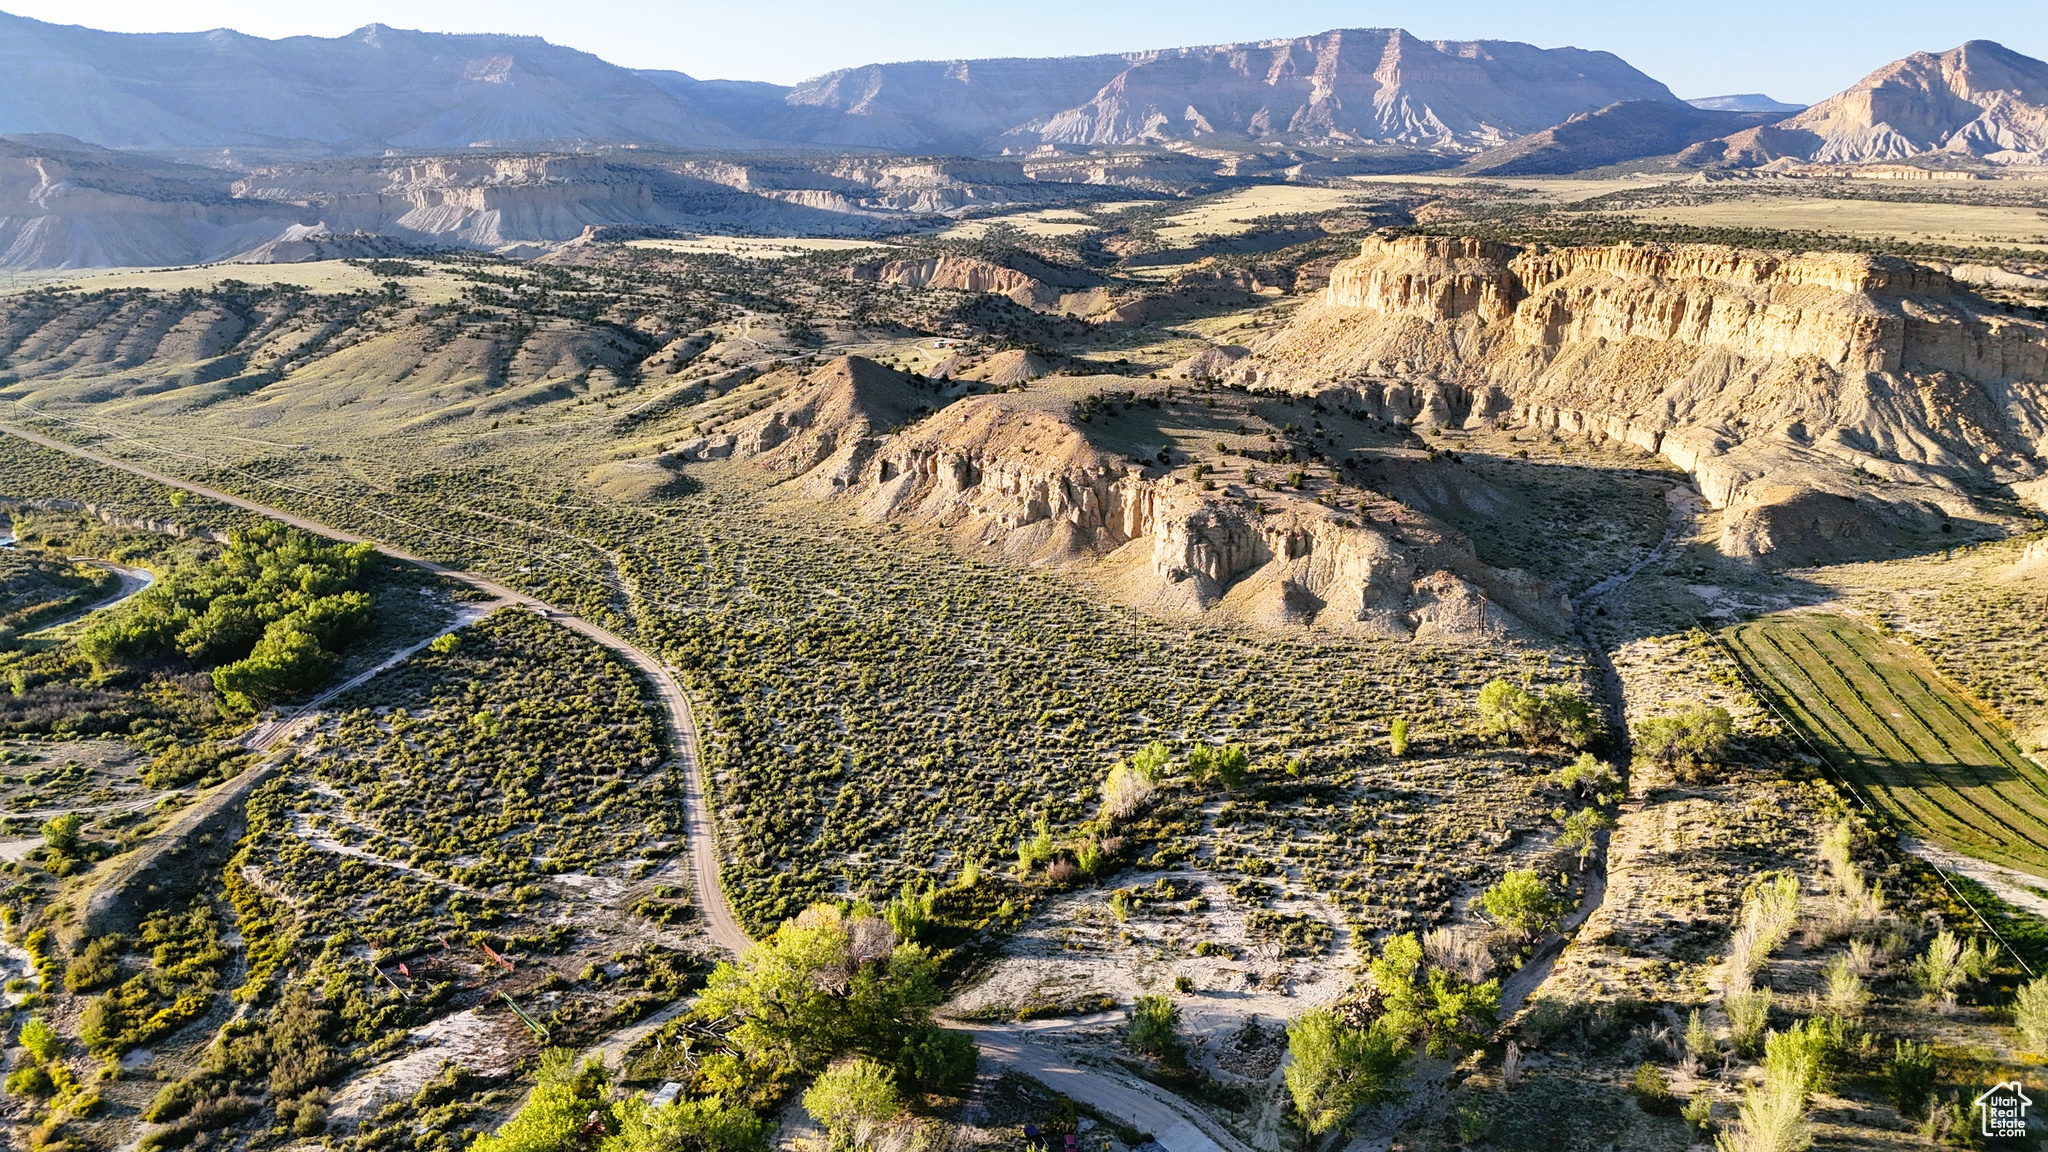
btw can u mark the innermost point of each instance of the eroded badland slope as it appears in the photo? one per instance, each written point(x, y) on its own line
point(1821, 399)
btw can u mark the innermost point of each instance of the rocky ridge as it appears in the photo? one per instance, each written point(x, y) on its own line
point(380, 89)
point(1620, 132)
point(960, 274)
point(64, 204)
point(1980, 102)
point(1347, 86)
point(1013, 473)
point(1820, 400)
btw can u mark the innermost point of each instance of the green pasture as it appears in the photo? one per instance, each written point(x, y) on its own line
point(1940, 764)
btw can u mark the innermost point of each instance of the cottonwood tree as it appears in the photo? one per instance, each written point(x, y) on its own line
point(1686, 742)
point(1337, 1068)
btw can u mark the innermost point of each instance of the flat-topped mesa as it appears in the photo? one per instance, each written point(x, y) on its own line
point(1836, 271)
point(1852, 313)
point(1770, 376)
point(1435, 277)
point(1759, 303)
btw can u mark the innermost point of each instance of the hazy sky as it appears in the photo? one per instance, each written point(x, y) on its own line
point(1799, 50)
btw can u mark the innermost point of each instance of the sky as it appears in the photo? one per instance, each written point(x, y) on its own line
point(1796, 50)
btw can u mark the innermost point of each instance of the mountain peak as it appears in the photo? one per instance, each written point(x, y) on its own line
point(382, 88)
point(1979, 101)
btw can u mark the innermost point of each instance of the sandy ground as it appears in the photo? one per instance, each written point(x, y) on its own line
point(1553, 189)
point(1047, 222)
point(316, 276)
point(1942, 223)
point(464, 1039)
point(2008, 884)
point(1076, 948)
point(1241, 211)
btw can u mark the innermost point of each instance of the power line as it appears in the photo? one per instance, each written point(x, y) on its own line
point(1763, 695)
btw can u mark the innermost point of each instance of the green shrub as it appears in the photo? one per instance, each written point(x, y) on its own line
point(1154, 1030)
point(1949, 963)
point(1521, 902)
point(207, 762)
point(1909, 1077)
point(1442, 1010)
point(563, 1097)
point(41, 1040)
point(1698, 1040)
point(300, 1056)
point(1589, 776)
point(1227, 765)
point(1557, 715)
point(174, 1100)
point(1804, 1056)
point(1688, 741)
point(61, 832)
point(95, 964)
point(1582, 833)
point(937, 1060)
point(2030, 1013)
point(1699, 1113)
point(1749, 1010)
point(1475, 1121)
point(1334, 1069)
point(30, 1080)
point(99, 1025)
point(1771, 1118)
point(686, 1126)
point(855, 1101)
point(1652, 1089)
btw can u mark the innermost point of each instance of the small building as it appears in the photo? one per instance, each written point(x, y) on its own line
point(665, 1095)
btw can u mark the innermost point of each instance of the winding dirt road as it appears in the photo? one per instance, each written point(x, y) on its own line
point(698, 829)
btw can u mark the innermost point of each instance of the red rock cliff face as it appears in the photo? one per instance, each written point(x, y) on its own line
point(1764, 374)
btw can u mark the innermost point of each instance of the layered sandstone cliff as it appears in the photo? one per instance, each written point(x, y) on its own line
point(961, 274)
point(1013, 473)
point(1878, 384)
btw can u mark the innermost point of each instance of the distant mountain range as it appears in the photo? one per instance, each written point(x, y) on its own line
point(380, 89)
point(1352, 87)
point(182, 148)
point(375, 89)
point(1980, 102)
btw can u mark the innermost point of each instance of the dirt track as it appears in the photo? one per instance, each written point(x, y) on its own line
point(717, 915)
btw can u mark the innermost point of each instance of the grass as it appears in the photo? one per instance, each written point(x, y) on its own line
point(1903, 735)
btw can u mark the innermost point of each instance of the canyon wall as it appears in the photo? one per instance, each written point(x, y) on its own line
point(1776, 379)
point(64, 204)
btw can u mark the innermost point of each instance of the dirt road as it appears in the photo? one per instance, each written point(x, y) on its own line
point(1173, 1122)
point(133, 580)
point(699, 836)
